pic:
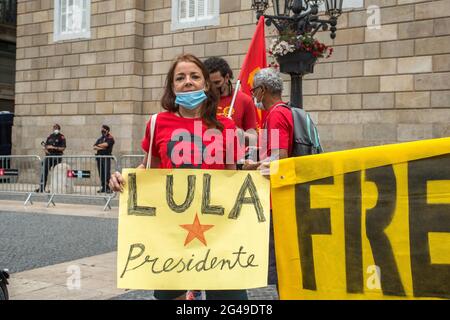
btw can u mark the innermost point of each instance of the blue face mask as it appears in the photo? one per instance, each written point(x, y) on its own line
point(190, 100)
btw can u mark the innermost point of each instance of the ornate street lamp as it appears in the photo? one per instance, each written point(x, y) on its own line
point(300, 17)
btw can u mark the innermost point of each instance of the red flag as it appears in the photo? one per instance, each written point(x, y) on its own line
point(254, 61)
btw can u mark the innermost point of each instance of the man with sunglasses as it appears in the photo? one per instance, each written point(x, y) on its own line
point(267, 91)
point(276, 138)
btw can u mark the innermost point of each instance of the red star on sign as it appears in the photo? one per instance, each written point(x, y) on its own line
point(196, 230)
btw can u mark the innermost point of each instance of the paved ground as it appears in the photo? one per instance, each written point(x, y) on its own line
point(268, 293)
point(44, 247)
point(34, 240)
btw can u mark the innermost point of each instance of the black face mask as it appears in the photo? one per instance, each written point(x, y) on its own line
point(230, 87)
point(103, 132)
point(222, 88)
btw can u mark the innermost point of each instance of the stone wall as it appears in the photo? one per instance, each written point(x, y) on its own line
point(80, 84)
point(380, 86)
point(385, 85)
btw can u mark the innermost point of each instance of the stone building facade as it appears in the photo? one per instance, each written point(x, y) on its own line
point(7, 55)
point(381, 85)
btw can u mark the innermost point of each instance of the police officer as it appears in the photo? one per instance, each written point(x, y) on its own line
point(54, 148)
point(104, 146)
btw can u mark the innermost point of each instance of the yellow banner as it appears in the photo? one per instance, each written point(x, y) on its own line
point(370, 223)
point(193, 229)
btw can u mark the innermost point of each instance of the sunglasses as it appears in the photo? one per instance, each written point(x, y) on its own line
point(254, 89)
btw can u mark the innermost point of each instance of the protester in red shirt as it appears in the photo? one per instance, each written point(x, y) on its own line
point(243, 112)
point(276, 138)
point(181, 140)
point(169, 152)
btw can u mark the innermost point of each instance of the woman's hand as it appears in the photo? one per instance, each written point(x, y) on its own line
point(116, 182)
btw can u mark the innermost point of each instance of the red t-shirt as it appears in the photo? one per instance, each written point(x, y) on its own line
point(280, 118)
point(244, 113)
point(182, 143)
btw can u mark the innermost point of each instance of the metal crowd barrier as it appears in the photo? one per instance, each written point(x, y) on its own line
point(77, 176)
point(20, 174)
point(71, 176)
point(130, 161)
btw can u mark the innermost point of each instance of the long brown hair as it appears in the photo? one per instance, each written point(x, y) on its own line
point(208, 109)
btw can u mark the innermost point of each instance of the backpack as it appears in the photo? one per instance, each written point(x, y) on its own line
point(306, 136)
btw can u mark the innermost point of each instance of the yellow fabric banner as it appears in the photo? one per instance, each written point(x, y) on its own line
point(370, 223)
point(193, 229)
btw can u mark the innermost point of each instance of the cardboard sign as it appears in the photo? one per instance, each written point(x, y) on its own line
point(193, 229)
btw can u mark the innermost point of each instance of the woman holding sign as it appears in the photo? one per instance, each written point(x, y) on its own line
point(189, 123)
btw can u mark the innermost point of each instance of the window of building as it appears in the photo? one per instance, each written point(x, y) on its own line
point(72, 19)
point(352, 4)
point(194, 13)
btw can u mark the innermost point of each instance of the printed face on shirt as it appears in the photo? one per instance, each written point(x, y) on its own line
point(188, 77)
point(179, 144)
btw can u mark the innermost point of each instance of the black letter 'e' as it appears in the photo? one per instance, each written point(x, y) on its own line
point(377, 220)
point(429, 280)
